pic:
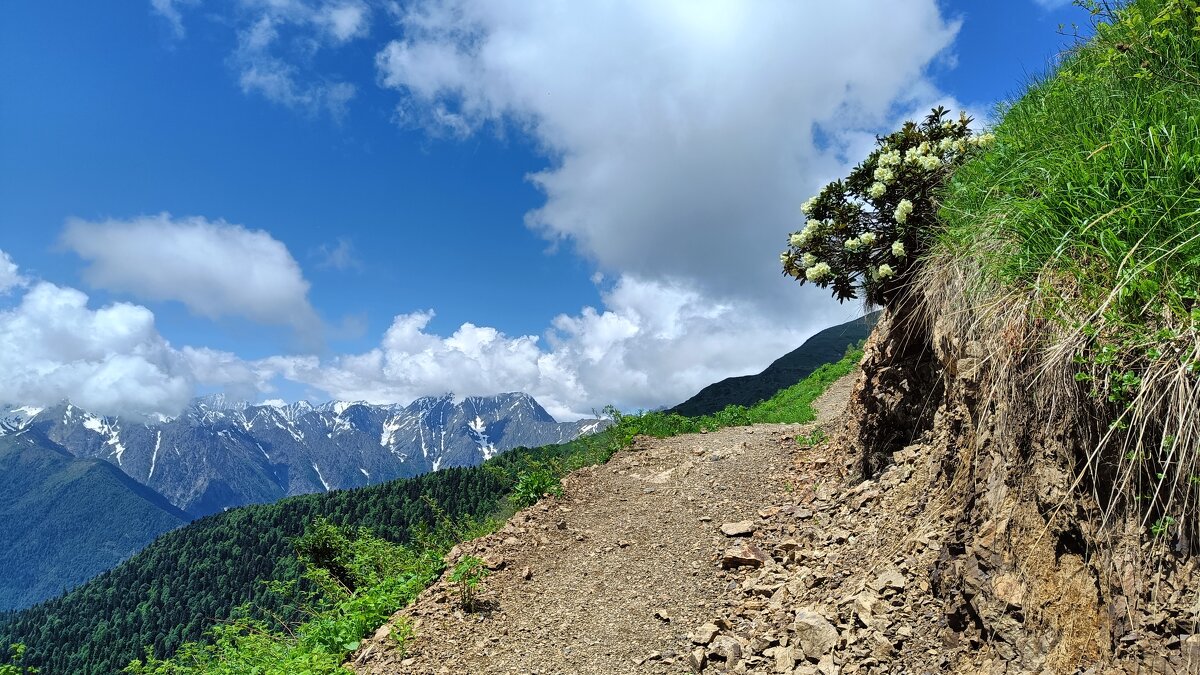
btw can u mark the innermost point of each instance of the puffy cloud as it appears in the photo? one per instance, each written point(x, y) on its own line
point(215, 268)
point(683, 135)
point(109, 360)
point(654, 343)
point(10, 277)
point(344, 21)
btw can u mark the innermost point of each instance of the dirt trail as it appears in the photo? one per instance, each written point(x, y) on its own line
point(613, 576)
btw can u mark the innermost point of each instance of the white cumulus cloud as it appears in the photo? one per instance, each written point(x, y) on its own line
point(10, 276)
point(216, 269)
point(169, 10)
point(654, 343)
point(109, 360)
point(276, 44)
point(682, 135)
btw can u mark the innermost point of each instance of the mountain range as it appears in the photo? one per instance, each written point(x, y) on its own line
point(217, 455)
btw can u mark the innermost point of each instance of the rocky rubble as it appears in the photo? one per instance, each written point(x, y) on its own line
point(844, 585)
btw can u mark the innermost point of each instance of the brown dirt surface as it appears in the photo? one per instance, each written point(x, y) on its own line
point(620, 568)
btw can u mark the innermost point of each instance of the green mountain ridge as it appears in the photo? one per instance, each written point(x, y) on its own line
point(64, 519)
point(826, 346)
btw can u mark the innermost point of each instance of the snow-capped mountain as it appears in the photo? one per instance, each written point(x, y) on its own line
point(219, 453)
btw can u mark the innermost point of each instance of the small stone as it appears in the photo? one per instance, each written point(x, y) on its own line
point(892, 578)
point(786, 658)
point(383, 631)
point(661, 615)
point(494, 562)
point(739, 529)
point(526, 573)
point(726, 648)
point(1191, 651)
point(866, 606)
point(705, 634)
point(746, 555)
point(814, 634)
point(511, 541)
point(1008, 587)
point(697, 660)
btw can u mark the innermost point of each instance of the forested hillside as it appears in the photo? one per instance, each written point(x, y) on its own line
point(63, 519)
point(188, 579)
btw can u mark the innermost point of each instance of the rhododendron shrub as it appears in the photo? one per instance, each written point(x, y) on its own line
point(865, 234)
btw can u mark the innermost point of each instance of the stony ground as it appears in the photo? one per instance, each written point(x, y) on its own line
point(739, 551)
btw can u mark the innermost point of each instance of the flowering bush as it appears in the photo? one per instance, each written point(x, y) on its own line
point(865, 232)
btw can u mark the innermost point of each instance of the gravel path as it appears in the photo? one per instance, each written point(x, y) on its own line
point(613, 576)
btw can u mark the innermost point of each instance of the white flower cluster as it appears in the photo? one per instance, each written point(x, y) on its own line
point(890, 164)
point(818, 272)
point(889, 158)
point(983, 140)
point(811, 229)
point(924, 156)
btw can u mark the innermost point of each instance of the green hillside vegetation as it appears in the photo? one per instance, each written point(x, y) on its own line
point(1086, 215)
point(746, 390)
point(49, 497)
point(231, 592)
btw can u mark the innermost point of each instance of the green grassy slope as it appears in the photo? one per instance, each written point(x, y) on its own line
point(1086, 215)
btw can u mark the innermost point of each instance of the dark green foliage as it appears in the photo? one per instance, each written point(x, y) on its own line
point(64, 519)
point(468, 573)
point(384, 577)
point(826, 346)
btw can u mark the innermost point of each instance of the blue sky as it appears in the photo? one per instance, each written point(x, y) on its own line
point(311, 198)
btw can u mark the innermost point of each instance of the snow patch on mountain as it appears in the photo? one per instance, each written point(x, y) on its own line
point(479, 432)
point(110, 431)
